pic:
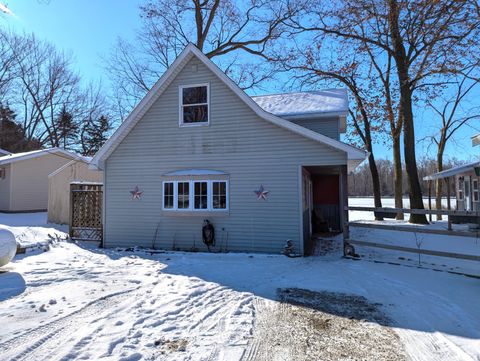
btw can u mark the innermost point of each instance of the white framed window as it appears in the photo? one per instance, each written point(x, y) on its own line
point(168, 195)
point(475, 190)
point(195, 195)
point(460, 188)
point(200, 195)
point(194, 104)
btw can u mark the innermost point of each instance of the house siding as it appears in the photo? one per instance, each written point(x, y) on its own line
point(29, 182)
point(5, 189)
point(250, 150)
point(326, 126)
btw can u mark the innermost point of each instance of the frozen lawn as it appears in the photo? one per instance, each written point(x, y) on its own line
point(80, 302)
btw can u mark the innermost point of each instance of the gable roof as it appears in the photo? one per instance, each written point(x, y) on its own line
point(330, 102)
point(354, 154)
point(4, 152)
point(11, 158)
point(465, 168)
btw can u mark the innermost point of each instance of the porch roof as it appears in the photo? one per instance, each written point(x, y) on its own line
point(470, 167)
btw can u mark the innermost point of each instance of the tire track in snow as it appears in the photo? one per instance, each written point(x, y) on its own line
point(44, 336)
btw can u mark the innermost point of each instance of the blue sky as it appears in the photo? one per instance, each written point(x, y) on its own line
point(88, 29)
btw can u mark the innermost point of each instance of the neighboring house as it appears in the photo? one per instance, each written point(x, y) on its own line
point(4, 152)
point(59, 187)
point(466, 179)
point(198, 147)
point(24, 178)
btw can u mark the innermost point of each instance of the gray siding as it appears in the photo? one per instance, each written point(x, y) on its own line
point(5, 189)
point(251, 150)
point(325, 126)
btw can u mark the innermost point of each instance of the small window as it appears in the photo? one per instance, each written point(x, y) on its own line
point(168, 195)
point(460, 188)
point(2, 173)
point(219, 195)
point(201, 195)
point(194, 104)
point(183, 195)
point(475, 190)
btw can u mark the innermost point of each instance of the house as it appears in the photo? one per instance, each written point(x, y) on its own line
point(466, 179)
point(24, 178)
point(59, 181)
point(197, 147)
point(4, 152)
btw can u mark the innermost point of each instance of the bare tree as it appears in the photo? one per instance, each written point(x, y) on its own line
point(426, 39)
point(235, 33)
point(45, 84)
point(453, 111)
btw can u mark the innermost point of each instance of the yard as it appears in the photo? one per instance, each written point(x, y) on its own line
point(80, 302)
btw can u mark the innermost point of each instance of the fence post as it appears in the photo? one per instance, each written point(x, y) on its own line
point(430, 199)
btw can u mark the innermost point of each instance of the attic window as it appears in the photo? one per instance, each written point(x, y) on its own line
point(194, 104)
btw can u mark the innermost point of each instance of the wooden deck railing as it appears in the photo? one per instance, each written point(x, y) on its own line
point(475, 215)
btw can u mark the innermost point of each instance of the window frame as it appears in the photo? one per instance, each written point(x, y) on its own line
point(191, 208)
point(181, 123)
point(475, 190)
point(461, 189)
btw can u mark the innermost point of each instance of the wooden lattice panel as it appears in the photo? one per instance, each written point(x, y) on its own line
point(86, 212)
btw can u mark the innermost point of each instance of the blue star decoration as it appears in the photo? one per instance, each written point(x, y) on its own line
point(136, 194)
point(261, 193)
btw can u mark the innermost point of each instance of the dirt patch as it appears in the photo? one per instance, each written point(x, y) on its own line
point(172, 345)
point(308, 325)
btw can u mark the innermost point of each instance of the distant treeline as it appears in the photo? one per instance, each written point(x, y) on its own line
point(360, 182)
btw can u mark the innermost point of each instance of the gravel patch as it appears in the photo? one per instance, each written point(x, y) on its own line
point(307, 325)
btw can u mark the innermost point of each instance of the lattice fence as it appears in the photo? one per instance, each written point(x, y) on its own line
point(86, 211)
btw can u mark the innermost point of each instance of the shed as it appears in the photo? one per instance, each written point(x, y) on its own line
point(59, 187)
point(24, 178)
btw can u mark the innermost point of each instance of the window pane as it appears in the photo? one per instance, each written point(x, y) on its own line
point(195, 95)
point(195, 113)
point(201, 195)
point(168, 195)
point(219, 195)
point(183, 195)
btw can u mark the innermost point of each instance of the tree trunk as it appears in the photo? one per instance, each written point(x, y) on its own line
point(377, 194)
point(398, 175)
point(439, 182)
point(401, 61)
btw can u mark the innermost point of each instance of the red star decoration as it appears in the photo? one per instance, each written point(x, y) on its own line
point(136, 194)
point(261, 193)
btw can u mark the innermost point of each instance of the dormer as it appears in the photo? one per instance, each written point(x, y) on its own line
point(324, 111)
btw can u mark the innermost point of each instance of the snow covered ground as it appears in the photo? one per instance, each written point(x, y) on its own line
point(80, 302)
point(31, 230)
point(443, 243)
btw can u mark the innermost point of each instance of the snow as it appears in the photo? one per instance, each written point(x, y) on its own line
point(80, 302)
point(470, 167)
point(8, 246)
point(325, 101)
point(31, 230)
point(9, 158)
point(435, 242)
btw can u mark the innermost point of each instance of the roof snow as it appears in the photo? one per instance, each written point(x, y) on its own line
point(470, 167)
point(10, 158)
point(302, 103)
